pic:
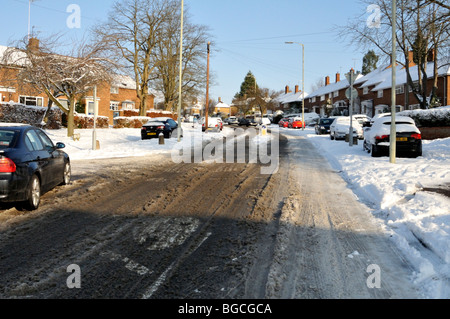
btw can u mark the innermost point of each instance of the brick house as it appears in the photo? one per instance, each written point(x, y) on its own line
point(374, 91)
point(292, 100)
point(330, 97)
point(113, 99)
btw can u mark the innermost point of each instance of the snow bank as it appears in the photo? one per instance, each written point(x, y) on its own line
point(418, 221)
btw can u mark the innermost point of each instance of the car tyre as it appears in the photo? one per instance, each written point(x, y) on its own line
point(67, 174)
point(34, 194)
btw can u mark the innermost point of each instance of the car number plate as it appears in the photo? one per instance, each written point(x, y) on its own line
point(402, 139)
point(153, 133)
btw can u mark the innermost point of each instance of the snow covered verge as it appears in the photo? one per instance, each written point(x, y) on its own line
point(418, 221)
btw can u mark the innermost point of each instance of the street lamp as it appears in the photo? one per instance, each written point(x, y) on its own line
point(181, 73)
point(303, 81)
point(393, 136)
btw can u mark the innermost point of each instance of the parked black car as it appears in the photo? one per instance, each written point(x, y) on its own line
point(323, 127)
point(243, 122)
point(30, 165)
point(159, 125)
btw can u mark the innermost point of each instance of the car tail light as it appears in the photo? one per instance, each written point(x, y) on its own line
point(417, 136)
point(382, 137)
point(160, 127)
point(7, 165)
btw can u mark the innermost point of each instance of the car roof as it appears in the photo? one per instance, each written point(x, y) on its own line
point(386, 119)
point(14, 125)
point(160, 119)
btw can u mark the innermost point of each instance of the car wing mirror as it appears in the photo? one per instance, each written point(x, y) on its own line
point(60, 145)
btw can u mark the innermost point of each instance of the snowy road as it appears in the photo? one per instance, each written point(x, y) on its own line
point(148, 228)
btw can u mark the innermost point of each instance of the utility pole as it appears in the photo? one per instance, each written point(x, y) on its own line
point(352, 99)
point(207, 89)
point(181, 73)
point(303, 81)
point(94, 132)
point(393, 136)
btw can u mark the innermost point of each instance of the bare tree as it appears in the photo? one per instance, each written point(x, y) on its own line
point(42, 67)
point(166, 59)
point(133, 30)
point(418, 30)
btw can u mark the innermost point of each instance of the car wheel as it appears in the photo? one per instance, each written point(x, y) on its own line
point(34, 194)
point(67, 174)
point(331, 137)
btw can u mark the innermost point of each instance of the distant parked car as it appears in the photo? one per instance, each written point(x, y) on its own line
point(158, 125)
point(323, 127)
point(232, 120)
point(284, 122)
point(30, 165)
point(341, 127)
point(252, 121)
point(363, 119)
point(214, 123)
point(296, 122)
point(409, 138)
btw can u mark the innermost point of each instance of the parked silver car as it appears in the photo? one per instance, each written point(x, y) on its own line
point(340, 128)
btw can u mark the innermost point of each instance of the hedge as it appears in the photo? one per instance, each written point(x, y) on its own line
point(33, 115)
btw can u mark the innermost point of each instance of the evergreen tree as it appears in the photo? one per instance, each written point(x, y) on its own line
point(370, 61)
point(248, 87)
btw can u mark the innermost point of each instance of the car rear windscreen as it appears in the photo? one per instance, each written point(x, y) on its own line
point(7, 138)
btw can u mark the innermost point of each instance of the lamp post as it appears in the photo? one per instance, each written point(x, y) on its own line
point(181, 73)
point(393, 136)
point(303, 81)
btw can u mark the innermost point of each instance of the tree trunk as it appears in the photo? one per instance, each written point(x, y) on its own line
point(71, 118)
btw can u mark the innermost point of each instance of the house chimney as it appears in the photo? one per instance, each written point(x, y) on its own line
point(338, 77)
point(411, 59)
point(327, 80)
point(296, 89)
point(220, 100)
point(286, 90)
point(33, 44)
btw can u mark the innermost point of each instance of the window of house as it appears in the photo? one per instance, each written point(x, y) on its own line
point(313, 99)
point(366, 90)
point(114, 90)
point(127, 105)
point(335, 93)
point(380, 94)
point(400, 89)
point(322, 98)
point(31, 100)
point(410, 88)
point(114, 106)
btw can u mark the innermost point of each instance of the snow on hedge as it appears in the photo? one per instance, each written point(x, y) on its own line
point(439, 116)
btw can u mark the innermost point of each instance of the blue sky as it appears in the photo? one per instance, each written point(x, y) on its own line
point(248, 35)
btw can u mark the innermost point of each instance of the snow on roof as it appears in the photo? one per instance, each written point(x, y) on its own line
point(123, 82)
point(381, 78)
point(291, 97)
point(222, 105)
point(333, 87)
point(16, 58)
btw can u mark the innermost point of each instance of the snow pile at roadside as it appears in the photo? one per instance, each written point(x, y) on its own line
point(123, 142)
point(418, 221)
